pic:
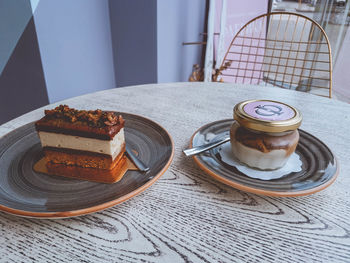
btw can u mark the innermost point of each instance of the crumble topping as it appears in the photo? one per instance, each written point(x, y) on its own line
point(94, 118)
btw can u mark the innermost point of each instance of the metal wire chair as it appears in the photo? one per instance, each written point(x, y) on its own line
point(281, 49)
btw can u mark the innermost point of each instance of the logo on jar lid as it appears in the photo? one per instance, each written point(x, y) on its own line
point(269, 110)
point(267, 115)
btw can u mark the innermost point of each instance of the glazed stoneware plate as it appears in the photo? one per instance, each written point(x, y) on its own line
point(318, 166)
point(25, 192)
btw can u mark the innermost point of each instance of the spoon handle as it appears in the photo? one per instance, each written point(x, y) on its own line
point(205, 147)
point(139, 164)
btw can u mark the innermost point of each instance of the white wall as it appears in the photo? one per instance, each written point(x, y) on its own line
point(178, 21)
point(22, 83)
point(134, 38)
point(14, 17)
point(75, 46)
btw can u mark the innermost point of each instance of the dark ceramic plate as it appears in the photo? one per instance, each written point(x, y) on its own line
point(318, 170)
point(27, 193)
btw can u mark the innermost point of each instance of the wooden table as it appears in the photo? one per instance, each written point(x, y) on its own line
point(187, 216)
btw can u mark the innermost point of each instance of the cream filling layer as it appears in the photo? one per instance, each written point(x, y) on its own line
point(110, 147)
point(257, 159)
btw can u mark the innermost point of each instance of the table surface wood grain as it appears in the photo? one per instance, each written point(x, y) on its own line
point(187, 216)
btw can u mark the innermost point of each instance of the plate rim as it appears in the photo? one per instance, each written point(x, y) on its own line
point(255, 190)
point(99, 207)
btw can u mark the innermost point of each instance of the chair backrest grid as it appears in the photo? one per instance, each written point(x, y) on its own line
point(256, 55)
point(317, 51)
point(289, 53)
point(274, 44)
point(249, 49)
point(300, 42)
point(241, 54)
point(268, 49)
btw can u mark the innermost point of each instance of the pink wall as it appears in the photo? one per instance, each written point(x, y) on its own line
point(341, 76)
point(238, 14)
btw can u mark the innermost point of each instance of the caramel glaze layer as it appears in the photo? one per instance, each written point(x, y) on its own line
point(79, 128)
point(266, 143)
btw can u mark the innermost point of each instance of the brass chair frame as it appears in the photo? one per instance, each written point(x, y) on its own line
point(289, 62)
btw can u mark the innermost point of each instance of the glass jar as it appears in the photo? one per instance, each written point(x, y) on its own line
point(265, 133)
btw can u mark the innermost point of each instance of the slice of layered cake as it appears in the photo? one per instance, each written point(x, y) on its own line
point(88, 139)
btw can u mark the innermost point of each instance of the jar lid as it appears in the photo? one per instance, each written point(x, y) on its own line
point(267, 115)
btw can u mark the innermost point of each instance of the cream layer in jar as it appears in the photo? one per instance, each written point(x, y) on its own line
point(265, 151)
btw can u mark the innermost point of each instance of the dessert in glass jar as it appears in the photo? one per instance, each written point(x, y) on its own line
point(265, 133)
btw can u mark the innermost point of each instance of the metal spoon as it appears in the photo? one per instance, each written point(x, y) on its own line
point(205, 147)
point(139, 164)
